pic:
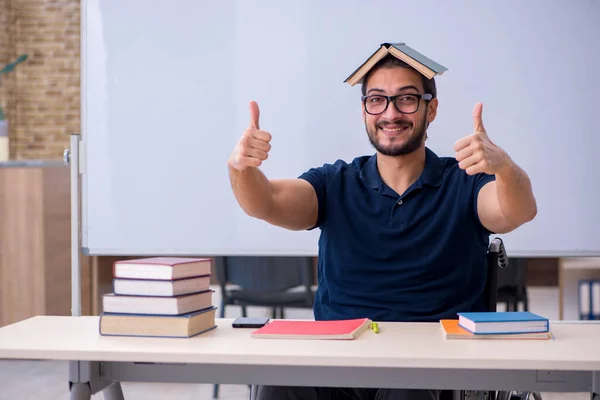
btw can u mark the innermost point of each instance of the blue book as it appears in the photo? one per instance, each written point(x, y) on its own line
point(503, 322)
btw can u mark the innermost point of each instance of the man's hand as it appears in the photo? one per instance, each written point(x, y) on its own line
point(476, 153)
point(503, 204)
point(288, 203)
point(253, 147)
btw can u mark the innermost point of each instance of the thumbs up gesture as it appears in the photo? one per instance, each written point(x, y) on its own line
point(476, 153)
point(253, 147)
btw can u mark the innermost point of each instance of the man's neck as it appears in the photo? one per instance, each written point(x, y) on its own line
point(401, 171)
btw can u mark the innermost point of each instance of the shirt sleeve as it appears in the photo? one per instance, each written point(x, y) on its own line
point(317, 177)
point(480, 180)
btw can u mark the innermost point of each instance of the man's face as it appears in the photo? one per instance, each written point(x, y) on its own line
point(392, 132)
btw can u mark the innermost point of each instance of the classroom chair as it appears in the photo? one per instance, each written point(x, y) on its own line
point(496, 259)
point(512, 285)
point(273, 282)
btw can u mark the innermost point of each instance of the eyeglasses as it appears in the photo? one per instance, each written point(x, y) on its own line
point(404, 103)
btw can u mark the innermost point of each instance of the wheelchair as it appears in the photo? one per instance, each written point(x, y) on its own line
point(496, 258)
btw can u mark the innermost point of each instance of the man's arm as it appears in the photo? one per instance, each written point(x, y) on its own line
point(507, 203)
point(289, 203)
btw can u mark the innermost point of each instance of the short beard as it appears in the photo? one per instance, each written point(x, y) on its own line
point(413, 144)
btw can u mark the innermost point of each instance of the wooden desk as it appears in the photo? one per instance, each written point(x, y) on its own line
point(407, 355)
point(570, 271)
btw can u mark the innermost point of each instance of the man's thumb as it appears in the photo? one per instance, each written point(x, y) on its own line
point(477, 121)
point(254, 114)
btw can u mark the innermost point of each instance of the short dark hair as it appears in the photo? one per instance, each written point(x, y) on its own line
point(390, 61)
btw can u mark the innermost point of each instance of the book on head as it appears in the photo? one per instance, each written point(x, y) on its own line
point(290, 329)
point(166, 268)
point(503, 322)
point(401, 51)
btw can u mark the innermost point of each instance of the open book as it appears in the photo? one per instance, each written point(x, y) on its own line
point(401, 51)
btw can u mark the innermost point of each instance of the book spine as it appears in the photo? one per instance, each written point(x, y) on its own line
point(595, 294)
point(585, 299)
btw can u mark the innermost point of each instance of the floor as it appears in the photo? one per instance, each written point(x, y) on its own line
point(47, 380)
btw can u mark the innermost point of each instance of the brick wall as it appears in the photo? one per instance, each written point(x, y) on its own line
point(43, 99)
point(5, 49)
point(4, 45)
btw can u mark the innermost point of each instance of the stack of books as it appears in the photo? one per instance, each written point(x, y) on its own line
point(159, 297)
point(497, 325)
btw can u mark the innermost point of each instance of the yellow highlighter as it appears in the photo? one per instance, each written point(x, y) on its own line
point(375, 327)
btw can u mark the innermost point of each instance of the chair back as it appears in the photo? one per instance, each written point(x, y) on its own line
point(496, 258)
point(265, 274)
point(513, 277)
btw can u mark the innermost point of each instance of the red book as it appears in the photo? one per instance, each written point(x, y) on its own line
point(162, 268)
point(288, 329)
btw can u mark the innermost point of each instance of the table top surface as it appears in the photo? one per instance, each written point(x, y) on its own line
point(576, 346)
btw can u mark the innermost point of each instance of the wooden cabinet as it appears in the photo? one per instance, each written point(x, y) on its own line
point(35, 242)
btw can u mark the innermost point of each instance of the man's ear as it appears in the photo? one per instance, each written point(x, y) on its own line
point(432, 110)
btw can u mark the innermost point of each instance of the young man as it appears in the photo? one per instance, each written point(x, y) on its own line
point(404, 232)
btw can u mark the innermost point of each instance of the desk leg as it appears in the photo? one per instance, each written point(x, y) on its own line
point(83, 391)
point(80, 391)
point(113, 392)
point(85, 380)
point(595, 392)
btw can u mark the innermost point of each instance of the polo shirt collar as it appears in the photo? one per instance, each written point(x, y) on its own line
point(431, 175)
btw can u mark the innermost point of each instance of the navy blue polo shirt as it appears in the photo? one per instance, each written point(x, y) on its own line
point(419, 256)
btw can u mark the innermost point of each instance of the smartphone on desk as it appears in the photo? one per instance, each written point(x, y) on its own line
point(250, 322)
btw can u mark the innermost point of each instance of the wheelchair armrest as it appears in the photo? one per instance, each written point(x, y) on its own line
point(498, 251)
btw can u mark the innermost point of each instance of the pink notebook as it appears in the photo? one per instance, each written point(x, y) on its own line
point(340, 329)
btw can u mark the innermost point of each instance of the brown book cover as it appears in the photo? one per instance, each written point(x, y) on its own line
point(176, 326)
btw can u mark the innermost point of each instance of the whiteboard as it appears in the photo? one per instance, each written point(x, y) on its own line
point(166, 86)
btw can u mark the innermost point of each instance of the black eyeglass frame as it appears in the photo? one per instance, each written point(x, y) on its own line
point(421, 96)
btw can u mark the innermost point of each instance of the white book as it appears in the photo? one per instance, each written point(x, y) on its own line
point(165, 268)
point(176, 305)
point(146, 287)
